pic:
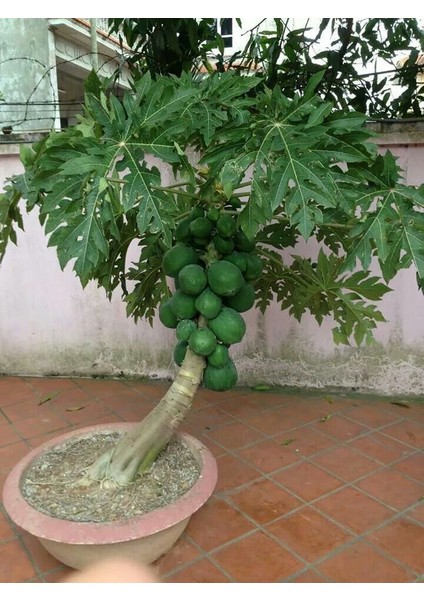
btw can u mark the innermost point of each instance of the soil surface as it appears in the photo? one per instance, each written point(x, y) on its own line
point(49, 484)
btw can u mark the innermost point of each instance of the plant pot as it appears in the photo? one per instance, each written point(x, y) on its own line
point(144, 538)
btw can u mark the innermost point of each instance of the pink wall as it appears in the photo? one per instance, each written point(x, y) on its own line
point(49, 325)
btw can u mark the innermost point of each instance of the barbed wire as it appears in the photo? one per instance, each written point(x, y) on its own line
point(47, 74)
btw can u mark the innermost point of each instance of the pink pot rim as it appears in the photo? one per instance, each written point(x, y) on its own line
point(51, 528)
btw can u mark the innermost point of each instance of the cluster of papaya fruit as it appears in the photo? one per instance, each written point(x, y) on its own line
point(214, 266)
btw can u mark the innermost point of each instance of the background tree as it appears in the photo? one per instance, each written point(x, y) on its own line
point(350, 52)
point(256, 172)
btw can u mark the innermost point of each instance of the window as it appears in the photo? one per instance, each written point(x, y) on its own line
point(225, 28)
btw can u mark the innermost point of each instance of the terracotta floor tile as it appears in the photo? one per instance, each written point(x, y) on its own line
point(272, 422)
point(404, 541)
point(267, 400)
point(360, 563)
point(381, 448)
point(102, 387)
point(281, 441)
point(235, 435)
point(15, 566)
point(414, 412)
point(346, 463)
point(208, 418)
point(312, 409)
point(407, 432)
point(43, 559)
point(393, 488)
point(132, 414)
point(17, 391)
point(309, 534)
point(77, 412)
point(183, 552)
point(31, 427)
point(340, 428)
point(37, 440)
point(218, 397)
point(11, 454)
point(417, 513)
point(309, 576)
point(413, 466)
point(216, 449)
point(371, 416)
point(258, 559)
point(149, 390)
point(215, 524)
point(11, 382)
point(105, 420)
point(8, 435)
point(306, 441)
point(28, 409)
point(203, 571)
point(232, 473)
point(354, 509)
point(71, 398)
point(264, 501)
point(268, 456)
point(242, 406)
point(50, 385)
point(125, 398)
point(307, 481)
point(6, 530)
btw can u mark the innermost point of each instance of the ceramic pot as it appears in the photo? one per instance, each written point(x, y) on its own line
point(144, 538)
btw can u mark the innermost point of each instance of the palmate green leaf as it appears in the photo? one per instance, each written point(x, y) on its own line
point(322, 289)
point(139, 188)
point(355, 317)
point(365, 285)
point(165, 151)
point(255, 212)
point(83, 237)
point(374, 231)
point(391, 227)
point(413, 238)
point(210, 119)
point(163, 102)
point(65, 189)
point(317, 116)
point(297, 183)
point(151, 286)
point(10, 217)
point(230, 176)
point(92, 160)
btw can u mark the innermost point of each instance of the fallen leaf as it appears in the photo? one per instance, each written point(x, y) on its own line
point(287, 442)
point(326, 418)
point(261, 388)
point(74, 408)
point(400, 403)
point(328, 399)
point(47, 398)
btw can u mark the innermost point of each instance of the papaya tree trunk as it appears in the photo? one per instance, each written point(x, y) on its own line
point(138, 449)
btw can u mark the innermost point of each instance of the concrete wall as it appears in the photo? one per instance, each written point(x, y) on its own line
point(27, 75)
point(49, 325)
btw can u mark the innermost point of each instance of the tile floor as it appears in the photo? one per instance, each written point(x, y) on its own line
point(312, 487)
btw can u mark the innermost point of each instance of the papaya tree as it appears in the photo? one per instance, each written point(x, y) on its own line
point(254, 174)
